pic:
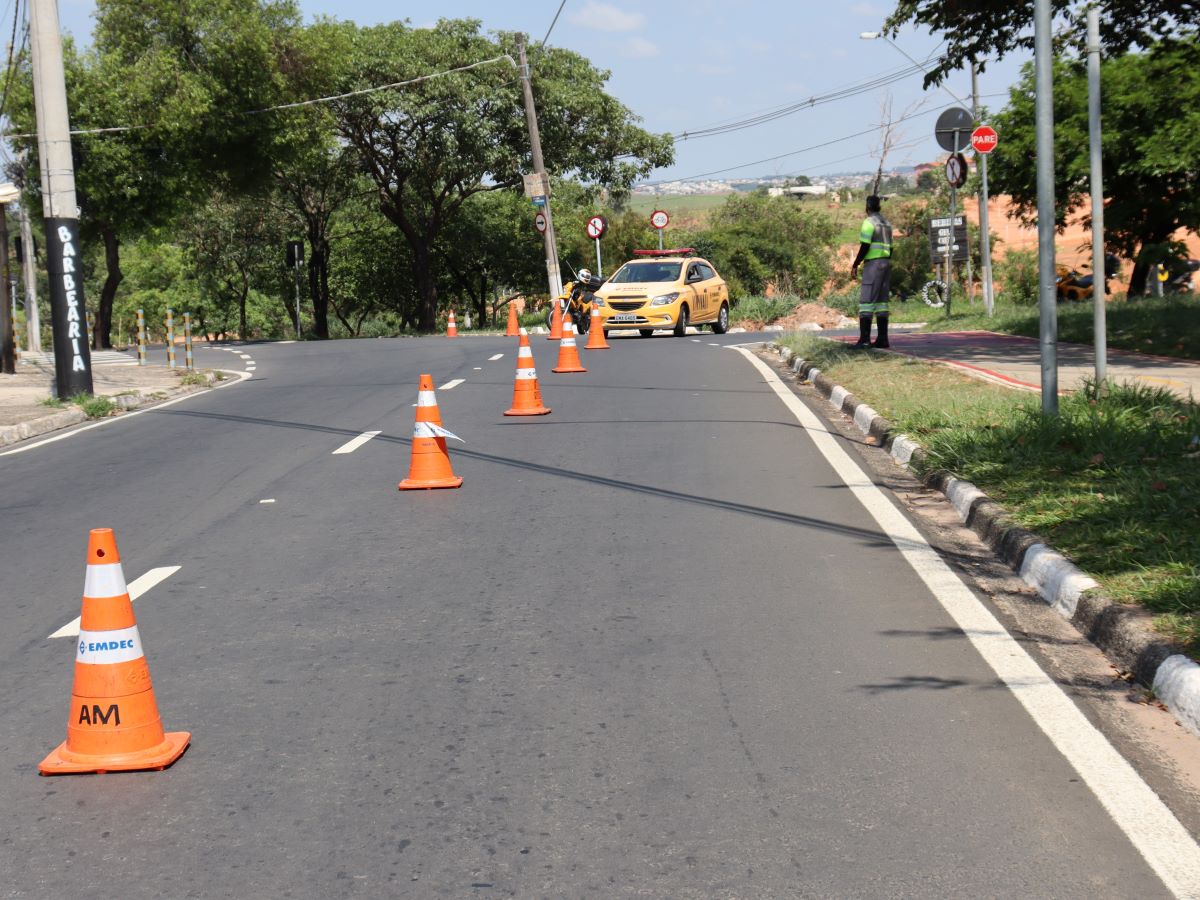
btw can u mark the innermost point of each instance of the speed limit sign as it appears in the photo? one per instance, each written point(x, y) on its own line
point(659, 219)
point(596, 227)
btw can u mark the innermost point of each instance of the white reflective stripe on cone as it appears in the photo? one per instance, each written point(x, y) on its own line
point(104, 580)
point(524, 332)
point(524, 353)
point(526, 374)
point(103, 648)
point(427, 398)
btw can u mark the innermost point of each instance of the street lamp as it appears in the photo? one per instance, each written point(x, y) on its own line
point(985, 238)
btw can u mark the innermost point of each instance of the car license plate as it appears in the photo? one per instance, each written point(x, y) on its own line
point(623, 317)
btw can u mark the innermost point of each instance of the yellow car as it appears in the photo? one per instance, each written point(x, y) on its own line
point(664, 289)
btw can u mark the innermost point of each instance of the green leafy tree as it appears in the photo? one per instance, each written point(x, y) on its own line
point(430, 146)
point(1151, 150)
point(978, 29)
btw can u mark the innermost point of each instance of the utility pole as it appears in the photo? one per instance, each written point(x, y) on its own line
point(554, 278)
point(72, 359)
point(985, 237)
point(1099, 326)
point(8, 353)
point(29, 274)
point(1044, 116)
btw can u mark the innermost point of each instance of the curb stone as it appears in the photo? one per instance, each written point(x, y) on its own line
point(65, 418)
point(1124, 633)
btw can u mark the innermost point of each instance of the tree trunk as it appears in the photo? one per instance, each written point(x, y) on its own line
point(426, 287)
point(318, 279)
point(102, 334)
point(1137, 280)
point(242, 329)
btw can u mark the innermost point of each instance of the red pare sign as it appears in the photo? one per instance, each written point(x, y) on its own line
point(984, 139)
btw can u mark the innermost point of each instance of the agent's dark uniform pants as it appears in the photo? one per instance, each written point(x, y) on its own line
point(876, 286)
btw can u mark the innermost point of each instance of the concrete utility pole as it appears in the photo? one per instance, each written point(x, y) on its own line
point(554, 277)
point(1044, 116)
point(1099, 325)
point(8, 353)
point(29, 274)
point(72, 359)
point(985, 237)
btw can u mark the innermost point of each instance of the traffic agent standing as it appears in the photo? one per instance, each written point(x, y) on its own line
point(875, 247)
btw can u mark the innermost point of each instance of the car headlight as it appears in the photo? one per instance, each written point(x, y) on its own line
point(664, 299)
point(599, 301)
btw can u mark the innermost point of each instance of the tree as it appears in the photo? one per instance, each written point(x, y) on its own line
point(1151, 150)
point(431, 145)
point(978, 29)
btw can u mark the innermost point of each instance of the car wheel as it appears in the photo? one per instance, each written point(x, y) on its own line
point(645, 332)
point(606, 333)
point(682, 322)
point(722, 324)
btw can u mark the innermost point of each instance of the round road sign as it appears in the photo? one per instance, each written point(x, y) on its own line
point(984, 139)
point(956, 170)
point(659, 219)
point(596, 227)
point(539, 222)
point(953, 129)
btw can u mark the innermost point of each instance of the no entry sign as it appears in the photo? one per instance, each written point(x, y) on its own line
point(539, 222)
point(596, 227)
point(984, 139)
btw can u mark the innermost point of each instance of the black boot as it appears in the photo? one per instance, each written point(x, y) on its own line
point(864, 331)
point(881, 340)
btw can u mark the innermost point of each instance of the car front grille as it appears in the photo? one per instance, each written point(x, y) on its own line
point(626, 305)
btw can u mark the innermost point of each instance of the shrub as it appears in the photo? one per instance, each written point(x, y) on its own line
point(1017, 273)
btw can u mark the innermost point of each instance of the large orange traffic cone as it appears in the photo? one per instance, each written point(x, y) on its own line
point(514, 325)
point(113, 725)
point(527, 396)
point(556, 322)
point(568, 353)
point(596, 339)
point(430, 466)
point(451, 327)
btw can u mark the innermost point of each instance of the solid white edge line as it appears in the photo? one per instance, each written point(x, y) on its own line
point(496, 357)
point(124, 417)
point(136, 588)
point(450, 385)
point(1151, 827)
point(352, 445)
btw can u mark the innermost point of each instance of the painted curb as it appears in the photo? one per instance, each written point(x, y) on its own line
point(65, 418)
point(1123, 633)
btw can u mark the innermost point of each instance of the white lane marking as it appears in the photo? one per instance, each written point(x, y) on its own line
point(449, 385)
point(697, 341)
point(242, 376)
point(711, 344)
point(1150, 826)
point(351, 446)
point(285, 342)
point(244, 355)
point(496, 357)
point(477, 368)
point(136, 588)
point(272, 499)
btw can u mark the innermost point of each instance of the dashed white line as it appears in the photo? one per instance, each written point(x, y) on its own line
point(450, 385)
point(496, 357)
point(1149, 824)
point(267, 500)
point(351, 446)
point(697, 341)
point(477, 368)
point(136, 588)
point(711, 344)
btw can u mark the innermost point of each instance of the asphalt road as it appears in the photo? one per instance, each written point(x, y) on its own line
point(653, 646)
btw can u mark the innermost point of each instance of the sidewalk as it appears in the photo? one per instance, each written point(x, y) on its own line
point(23, 414)
point(1015, 361)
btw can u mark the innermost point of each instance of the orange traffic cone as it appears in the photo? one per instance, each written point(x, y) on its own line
point(451, 327)
point(113, 725)
point(514, 326)
point(596, 339)
point(568, 353)
point(527, 396)
point(556, 322)
point(430, 466)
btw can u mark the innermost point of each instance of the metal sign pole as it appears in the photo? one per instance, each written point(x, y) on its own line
point(599, 267)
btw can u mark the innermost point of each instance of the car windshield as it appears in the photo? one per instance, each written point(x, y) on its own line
point(639, 272)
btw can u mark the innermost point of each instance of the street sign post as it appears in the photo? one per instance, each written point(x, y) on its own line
point(948, 236)
point(596, 227)
point(660, 220)
point(984, 139)
point(539, 222)
point(953, 133)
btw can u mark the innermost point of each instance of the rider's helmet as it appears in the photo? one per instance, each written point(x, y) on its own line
point(584, 275)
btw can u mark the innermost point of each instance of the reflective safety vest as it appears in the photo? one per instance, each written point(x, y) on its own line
point(876, 231)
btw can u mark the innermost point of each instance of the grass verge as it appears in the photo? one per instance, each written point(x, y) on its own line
point(94, 407)
point(1113, 482)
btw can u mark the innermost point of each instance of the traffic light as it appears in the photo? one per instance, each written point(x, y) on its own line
point(295, 254)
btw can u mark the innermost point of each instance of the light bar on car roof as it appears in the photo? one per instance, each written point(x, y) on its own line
point(677, 251)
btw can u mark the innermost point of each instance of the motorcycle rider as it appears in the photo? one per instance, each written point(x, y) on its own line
point(875, 246)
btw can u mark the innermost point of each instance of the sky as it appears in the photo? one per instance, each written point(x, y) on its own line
point(683, 65)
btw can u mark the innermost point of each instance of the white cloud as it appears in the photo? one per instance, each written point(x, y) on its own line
point(640, 48)
point(606, 17)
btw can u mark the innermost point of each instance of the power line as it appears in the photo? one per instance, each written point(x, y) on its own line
point(542, 47)
point(12, 43)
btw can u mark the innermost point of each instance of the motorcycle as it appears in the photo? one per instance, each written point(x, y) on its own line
point(576, 298)
point(1176, 277)
point(1071, 285)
